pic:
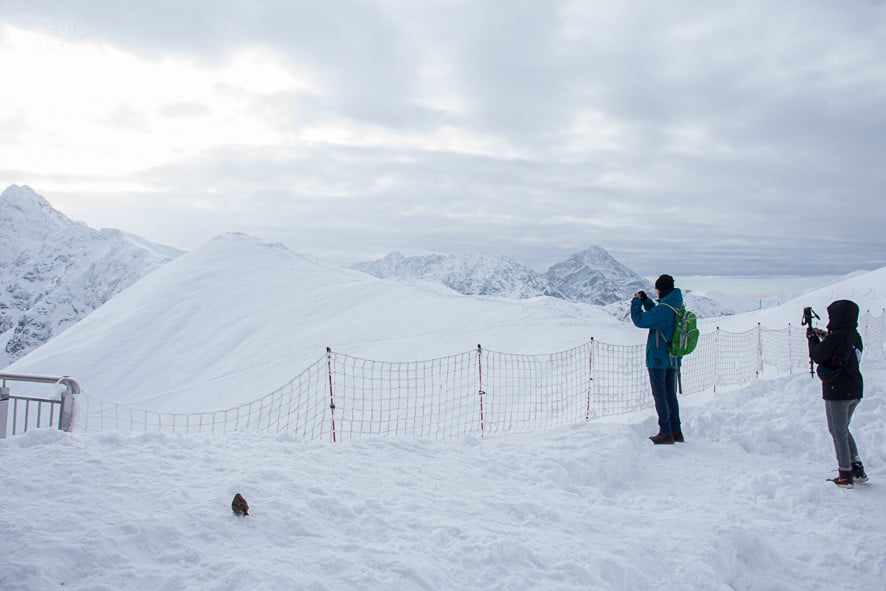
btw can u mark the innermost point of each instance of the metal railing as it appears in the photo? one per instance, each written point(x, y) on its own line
point(59, 410)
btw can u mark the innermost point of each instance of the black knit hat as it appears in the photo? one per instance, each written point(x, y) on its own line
point(664, 283)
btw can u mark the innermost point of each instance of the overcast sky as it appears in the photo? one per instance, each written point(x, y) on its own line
point(683, 137)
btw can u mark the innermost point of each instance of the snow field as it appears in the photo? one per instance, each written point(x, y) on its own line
point(742, 505)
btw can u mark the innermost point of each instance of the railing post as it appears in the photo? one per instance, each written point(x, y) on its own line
point(4, 409)
point(66, 416)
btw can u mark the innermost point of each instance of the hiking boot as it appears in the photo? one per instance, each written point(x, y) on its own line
point(858, 474)
point(844, 480)
point(678, 435)
point(662, 439)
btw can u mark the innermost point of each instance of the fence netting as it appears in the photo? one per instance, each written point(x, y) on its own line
point(476, 393)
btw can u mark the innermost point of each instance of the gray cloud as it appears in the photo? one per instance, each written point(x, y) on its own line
point(746, 138)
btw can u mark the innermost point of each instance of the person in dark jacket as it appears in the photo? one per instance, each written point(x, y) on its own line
point(659, 319)
point(838, 353)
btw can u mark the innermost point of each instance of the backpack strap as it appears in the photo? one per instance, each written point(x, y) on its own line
point(676, 311)
point(674, 359)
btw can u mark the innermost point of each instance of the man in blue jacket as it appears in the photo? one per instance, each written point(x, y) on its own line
point(659, 319)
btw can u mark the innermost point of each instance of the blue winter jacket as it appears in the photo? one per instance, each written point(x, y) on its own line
point(660, 322)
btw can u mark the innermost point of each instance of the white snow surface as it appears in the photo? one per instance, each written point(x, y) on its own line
point(742, 505)
point(238, 317)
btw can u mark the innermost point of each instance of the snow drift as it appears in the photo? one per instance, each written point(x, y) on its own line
point(742, 505)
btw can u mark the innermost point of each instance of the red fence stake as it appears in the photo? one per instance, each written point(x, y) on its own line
point(331, 398)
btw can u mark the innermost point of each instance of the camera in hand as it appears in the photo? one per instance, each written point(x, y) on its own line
point(808, 315)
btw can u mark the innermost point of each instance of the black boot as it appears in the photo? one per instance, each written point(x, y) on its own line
point(678, 435)
point(858, 474)
point(663, 439)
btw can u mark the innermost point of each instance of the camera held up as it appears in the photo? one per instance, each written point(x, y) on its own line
point(811, 331)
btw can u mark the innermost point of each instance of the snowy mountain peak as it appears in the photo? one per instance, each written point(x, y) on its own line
point(55, 271)
point(599, 258)
point(26, 215)
point(593, 276)
point(22, 195)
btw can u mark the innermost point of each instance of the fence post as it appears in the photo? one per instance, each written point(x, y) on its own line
point(590, 379)
point(716, 358)
point(481, 393)
point(759, 350)
point(4, 409)
point(331, 398)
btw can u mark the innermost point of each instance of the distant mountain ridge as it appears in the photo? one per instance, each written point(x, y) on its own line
point(592, 276)
point(54, 271)
point(467, 274)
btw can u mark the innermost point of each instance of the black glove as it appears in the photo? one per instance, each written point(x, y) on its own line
point(811, 334)
point(642, 295)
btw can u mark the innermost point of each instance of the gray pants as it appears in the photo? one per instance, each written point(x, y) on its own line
point(839, 414)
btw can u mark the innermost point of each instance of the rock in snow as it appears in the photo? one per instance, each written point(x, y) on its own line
point(54, 271)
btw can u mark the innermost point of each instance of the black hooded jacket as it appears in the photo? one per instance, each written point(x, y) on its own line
point(836, 354)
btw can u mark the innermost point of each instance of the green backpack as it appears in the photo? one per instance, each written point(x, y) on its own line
point(686, 332)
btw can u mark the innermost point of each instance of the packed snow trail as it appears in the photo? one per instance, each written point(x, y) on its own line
point(742, 505)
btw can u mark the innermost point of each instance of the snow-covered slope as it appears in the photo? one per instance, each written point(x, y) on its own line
point(743, 504)
point(467, 274)
point(867, 289)
point(701, 305)
point(238, 317)
point(54, 271)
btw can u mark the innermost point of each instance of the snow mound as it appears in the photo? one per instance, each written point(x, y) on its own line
point(238, 317)
point(742, 505)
